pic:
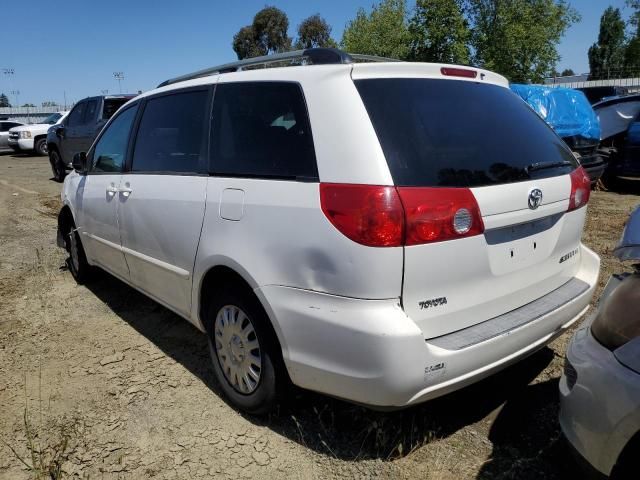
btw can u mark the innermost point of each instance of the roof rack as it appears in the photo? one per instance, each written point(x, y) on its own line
point(310, 56)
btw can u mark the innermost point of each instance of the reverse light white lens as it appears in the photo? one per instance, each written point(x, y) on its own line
point(578, 197)
point(462, 221)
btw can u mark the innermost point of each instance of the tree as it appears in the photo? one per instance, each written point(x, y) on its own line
point(634, 21)
point(49, 104)
point(567, 72)
point(519, 38)
point(632, 50)
point(606, 56)
point(382, 32)
point(4, 101)
point(314, 31)
point(439, 32)
point(267, 34)
point(28, 105)
point(246, 45)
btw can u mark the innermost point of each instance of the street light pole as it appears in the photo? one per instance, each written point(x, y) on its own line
point(16, 93)
point(119, 76)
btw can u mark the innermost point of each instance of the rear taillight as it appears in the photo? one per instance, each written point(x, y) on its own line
point(438, 214)
point(458, 72)
point(580, 189)
point(383, 216)
point(367, 214)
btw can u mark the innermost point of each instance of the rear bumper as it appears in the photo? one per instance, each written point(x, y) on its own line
point(371, 352)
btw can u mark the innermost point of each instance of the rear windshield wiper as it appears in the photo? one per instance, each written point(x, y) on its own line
point(543, 165)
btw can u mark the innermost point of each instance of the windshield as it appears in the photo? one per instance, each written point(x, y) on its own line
point(53, 118)
point(460, 134)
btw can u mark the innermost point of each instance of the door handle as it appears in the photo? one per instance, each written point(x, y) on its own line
point(125, 191)
point(112, 189)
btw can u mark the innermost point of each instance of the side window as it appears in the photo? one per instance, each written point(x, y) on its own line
point(4, 126)
point(90, 111)
point(111, 150)
point(261, 129)
point(76, 117)
point(171, 136)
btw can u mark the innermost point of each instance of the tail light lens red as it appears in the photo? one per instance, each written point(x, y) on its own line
point(367, 214)
point(580, 189)
point(383, 216)
point(437, 214)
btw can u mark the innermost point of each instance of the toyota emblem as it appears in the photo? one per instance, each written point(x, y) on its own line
point(535, 198)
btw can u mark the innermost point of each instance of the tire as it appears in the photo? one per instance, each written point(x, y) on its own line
point(230, 346)
point(77, 260)
point(41, 147)
point(57, 166)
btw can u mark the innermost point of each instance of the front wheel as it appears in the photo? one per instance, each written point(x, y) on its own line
point(57, 166)
point(244, 352)
point(41, 147)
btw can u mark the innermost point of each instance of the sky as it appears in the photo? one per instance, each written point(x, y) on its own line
point(73, 50)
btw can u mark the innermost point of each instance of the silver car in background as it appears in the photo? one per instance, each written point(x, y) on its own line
point(600, 387)
point(5, 126)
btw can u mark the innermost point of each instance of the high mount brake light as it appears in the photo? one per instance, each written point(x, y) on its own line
point(458, 72)
point(384, 216)
point(580, 189)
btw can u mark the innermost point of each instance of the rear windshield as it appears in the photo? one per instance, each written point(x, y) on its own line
point(111, 106)
point(460, 134)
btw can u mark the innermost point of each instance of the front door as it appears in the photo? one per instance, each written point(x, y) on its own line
point(100, 196)
point(162, 198)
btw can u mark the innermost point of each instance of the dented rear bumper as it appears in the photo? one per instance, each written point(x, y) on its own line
point(371, 352)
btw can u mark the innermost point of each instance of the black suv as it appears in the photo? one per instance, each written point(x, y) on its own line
point(77, 132)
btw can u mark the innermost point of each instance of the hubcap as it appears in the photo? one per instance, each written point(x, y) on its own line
point(238, 349)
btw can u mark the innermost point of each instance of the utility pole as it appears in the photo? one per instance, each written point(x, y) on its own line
point(119, 76)
point(16, 93)
point(9, 73)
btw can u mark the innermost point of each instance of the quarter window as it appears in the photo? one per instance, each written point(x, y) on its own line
point(111, 150)
point(171, 136)
point(261, 129)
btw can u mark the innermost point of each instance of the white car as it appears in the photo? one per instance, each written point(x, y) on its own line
point(382, 232)
point(33, 138)
point(600, 388)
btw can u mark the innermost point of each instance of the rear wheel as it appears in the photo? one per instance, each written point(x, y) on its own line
point(57, 166)
point(244, 353)
point(41, 147)
point(77, 261)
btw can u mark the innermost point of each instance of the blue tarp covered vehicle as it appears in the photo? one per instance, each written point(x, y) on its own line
point(570, 114)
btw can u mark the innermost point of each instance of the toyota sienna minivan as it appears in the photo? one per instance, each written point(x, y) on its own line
point(383, 232)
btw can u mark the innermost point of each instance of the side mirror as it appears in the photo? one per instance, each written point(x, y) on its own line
point(79, 162)
point(60, 131)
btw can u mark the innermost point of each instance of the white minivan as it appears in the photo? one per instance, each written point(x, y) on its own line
point(382, 232)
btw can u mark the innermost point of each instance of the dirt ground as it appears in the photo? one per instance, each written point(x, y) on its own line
point(122, 388)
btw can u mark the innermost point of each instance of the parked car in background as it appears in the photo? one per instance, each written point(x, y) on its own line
point(79, 129)
point(33, 138)
point(600, 387)
point(569, 113)
point(620, 122)
point(352, 227)
point(5, 126)
point(597, 94)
